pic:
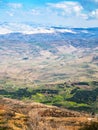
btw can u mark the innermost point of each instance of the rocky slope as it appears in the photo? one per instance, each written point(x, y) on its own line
point(18, 115)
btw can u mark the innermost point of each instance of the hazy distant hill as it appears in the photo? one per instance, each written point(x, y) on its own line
point(48, 54)
point(47, 37)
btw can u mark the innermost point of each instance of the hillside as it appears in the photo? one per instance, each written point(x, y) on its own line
point(49, 56)
point(80, 96)
point(18, 115)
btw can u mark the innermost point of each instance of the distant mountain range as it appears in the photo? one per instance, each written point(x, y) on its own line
point(32, 33)
point(48, 54)
point(30, 28)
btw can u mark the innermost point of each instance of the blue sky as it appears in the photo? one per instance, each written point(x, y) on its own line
point(70, 13)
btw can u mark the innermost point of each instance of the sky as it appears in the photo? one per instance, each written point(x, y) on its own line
point(69, 13)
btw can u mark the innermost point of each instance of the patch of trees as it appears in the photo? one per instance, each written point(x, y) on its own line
point(85, 96)
point(91, 126)
point(24, 92)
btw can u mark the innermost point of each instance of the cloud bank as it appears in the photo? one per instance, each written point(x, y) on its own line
point(74, 13)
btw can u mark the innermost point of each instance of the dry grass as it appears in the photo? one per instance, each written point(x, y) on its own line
point(18, 115)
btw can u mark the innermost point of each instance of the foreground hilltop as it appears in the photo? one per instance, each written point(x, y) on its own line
point(18, 115)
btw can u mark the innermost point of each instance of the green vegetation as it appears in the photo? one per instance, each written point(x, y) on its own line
point(82, 96)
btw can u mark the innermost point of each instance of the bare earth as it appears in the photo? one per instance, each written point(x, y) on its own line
point(18, 115)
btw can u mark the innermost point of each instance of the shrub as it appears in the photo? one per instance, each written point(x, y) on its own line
point(91, 126)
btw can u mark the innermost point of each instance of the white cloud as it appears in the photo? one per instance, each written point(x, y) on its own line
point(94, 14)
point(68, 7)
point(10, 13)
point(35, 12)
point(67, 13)
point(15, 5)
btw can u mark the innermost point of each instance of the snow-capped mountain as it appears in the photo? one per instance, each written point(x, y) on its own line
point(27, 28)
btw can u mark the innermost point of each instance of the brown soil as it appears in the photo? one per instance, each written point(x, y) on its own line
point(18, 115)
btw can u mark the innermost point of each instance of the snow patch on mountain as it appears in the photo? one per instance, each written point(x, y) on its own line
point(66, 31)
point(30, 29)
point(5, 30)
